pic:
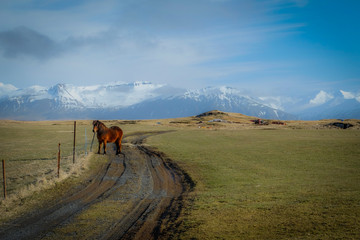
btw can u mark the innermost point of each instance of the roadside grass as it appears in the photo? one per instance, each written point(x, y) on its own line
point(269, 184)
point(46, 191)
point(30, 150)
point(30, 153)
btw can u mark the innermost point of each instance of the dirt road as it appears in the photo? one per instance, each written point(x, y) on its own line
point(137, 195)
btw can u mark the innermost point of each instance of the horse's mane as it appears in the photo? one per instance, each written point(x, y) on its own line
point(98, 123)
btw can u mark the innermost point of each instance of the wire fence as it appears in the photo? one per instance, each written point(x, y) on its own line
point(31, 150)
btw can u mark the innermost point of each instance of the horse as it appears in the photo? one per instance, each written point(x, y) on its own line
point(105, 135)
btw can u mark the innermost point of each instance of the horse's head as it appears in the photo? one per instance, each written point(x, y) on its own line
point(96, 124)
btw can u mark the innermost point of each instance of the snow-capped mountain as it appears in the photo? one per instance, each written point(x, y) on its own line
point(64, 101)
point(338, 105)
point(69, 96)
point(193, 102)
point(145, 100)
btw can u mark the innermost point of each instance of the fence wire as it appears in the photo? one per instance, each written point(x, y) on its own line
point(30, 150)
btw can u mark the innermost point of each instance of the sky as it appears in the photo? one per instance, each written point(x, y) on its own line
point(268, 47)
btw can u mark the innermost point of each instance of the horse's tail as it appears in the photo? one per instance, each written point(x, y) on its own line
point(121, 134)
point(119, 139)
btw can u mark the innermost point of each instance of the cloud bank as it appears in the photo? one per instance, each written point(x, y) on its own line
point(248, 44)
point(178, 42)
point(23, 41)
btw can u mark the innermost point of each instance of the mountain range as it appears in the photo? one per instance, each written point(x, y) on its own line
point(145, 100)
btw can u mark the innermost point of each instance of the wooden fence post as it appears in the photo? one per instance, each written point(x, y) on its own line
point(85, 143)
point(74, 141)
point(58, 158)
point(4, 178)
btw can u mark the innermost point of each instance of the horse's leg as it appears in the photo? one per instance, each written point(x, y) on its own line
point(120, 151)
point(117, 147)
point(99, 147)
point(104, 147)
point(119, 141)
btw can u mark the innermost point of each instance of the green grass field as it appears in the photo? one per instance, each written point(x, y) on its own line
point(269, 184)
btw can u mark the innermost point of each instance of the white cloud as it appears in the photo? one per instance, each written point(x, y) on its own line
point(350, 95)
point(321, 98)
point(6, 89)
point(183, 43)
point(347, 95)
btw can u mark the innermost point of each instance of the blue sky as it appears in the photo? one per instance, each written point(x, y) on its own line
point(268, 47)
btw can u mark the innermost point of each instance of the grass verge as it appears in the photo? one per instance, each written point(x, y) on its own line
point(48, 191)
point(30, 150)
point(275, 184)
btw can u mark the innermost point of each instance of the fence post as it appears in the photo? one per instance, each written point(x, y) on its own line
point(4, 178)
point(74, 141)
point(85, 143)
point(58, 158)
point(92, 141)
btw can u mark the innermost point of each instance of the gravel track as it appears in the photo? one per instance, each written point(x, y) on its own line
point(147, 187)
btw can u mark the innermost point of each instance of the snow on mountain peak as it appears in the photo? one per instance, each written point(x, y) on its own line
point(350, 95)
point(273, 102)
point(6, 89)
point(321, 98)
point(126, 98)
point(220, 92)
point(117, 94)
point(64, 95)
point(143, 84)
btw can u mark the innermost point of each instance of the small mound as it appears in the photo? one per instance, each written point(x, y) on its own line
point(211, 113)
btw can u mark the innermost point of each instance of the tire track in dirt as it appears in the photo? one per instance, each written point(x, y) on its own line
point(151, 185)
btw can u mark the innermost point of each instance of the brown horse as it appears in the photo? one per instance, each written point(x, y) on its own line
point(105, 135)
